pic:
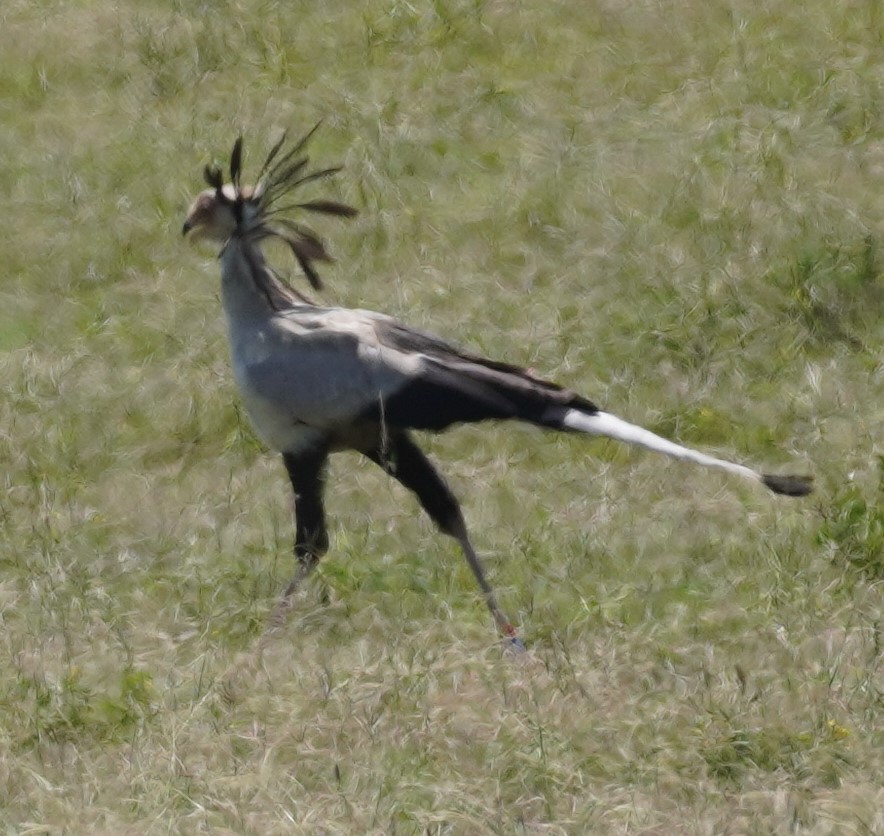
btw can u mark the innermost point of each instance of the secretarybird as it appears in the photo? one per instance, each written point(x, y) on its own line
point(320, 379)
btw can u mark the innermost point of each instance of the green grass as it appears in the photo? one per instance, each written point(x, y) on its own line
point(675, 208)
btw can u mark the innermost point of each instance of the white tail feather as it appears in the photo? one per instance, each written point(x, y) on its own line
point(610, 426)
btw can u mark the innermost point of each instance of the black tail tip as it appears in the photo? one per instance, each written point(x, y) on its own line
point(789, 485)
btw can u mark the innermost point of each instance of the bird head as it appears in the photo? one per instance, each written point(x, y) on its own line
point(254, 212)
point(211, 216)
point(218, 211)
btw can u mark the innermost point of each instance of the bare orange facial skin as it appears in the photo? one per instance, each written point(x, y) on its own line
point(211, 217)
point(199, 216)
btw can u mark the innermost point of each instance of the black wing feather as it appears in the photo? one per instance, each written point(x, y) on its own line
point(454, 387)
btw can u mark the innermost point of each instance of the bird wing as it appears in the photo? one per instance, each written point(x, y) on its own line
point(330, 367)
point(451, 386)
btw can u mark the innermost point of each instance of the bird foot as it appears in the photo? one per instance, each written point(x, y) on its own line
point(514, 645)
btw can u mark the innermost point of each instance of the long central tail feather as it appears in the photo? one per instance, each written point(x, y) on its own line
point(610, 426)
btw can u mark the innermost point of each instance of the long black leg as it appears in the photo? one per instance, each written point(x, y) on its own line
point(306, 472)
point(405, 461)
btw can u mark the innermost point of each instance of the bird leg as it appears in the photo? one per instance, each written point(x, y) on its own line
point(306, 472)
point(404, 460)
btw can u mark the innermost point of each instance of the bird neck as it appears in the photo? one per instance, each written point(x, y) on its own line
point(249, 290)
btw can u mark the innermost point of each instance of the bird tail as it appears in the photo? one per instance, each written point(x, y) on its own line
point(610, 426)
point(454, 387)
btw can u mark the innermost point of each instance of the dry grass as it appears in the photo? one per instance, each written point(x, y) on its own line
point(673, 207)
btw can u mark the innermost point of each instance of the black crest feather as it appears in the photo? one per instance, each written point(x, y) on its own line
point(236, 163)
point(284, 171)
point(272, 155)
point(213, 176)
point(329, 207)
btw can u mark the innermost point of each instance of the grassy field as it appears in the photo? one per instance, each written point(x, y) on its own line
point(676, 208)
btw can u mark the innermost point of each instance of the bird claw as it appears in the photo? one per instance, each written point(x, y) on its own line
point(515, 645)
